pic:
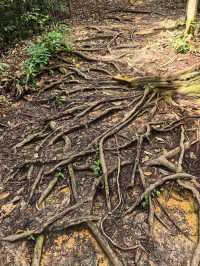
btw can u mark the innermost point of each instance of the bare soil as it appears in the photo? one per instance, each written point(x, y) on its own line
point(95, 137)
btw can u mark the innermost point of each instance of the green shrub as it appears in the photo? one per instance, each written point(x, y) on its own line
point(39, 57)
point(35, 19)
point(20, 18)
point(40, 52)
point(52, 41)
point(181, 45)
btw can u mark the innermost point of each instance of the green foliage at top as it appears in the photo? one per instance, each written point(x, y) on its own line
point(21, 18)
point(35, 19)
point(41, 51)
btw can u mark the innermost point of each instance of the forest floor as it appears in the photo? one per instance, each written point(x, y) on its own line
point(93, 170)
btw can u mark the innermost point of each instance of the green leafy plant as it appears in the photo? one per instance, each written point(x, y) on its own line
point(65, 31)
point(3, 67)
point(181, 45)
point(60, 175)
point(145, 202)
point(20, 19)
point(52, 41)
point(35, 18)
point(39, 57)
point(32, 237)
point(40, 52)
point(155, 194)
point(96, 167)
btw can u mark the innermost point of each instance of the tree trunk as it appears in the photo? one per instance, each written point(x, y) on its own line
point(192, 6)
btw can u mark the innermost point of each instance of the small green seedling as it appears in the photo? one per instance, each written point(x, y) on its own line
point(32, 237)
point(181, 45)
point(60, 175)
point(155, 194)
point(3, 67)
point(96, 167)
point(145, 202)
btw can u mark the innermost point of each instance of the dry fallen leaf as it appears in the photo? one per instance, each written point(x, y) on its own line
point(4, 195)
point(6, 210)
point(148, 173)
point(160, 139)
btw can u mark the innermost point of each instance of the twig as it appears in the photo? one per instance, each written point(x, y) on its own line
point(117, 179)
point(36, 182)
point(182, 148)
point(48, 189)
point(38, 251)
point(27, 139)
point(105, 173)
point(137, 159)
point(151, 207)
point(30, 170)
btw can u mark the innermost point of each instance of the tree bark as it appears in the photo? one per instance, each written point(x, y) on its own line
point(191, 17)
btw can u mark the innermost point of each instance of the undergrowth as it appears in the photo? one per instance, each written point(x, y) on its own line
point(41, 51)
point(3, 67)
point(181, 45)
point(96, 167)
point(22, 19)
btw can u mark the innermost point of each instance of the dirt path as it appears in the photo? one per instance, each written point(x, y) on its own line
point(87, 176)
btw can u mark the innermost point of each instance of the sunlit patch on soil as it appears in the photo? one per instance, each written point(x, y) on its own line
point(67, 247)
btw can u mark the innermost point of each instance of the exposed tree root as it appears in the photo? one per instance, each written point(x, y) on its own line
point(103, 96)
point(169, 217)
point(27, 139)
point(48, 190)
point(37, 251)
point(154, 186)
point(104, 245)
point(45, 225)
point(118, 246)
point(94, 229)
point(36, 182)
point(196, 255)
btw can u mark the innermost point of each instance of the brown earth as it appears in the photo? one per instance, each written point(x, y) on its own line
point(87, 102)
